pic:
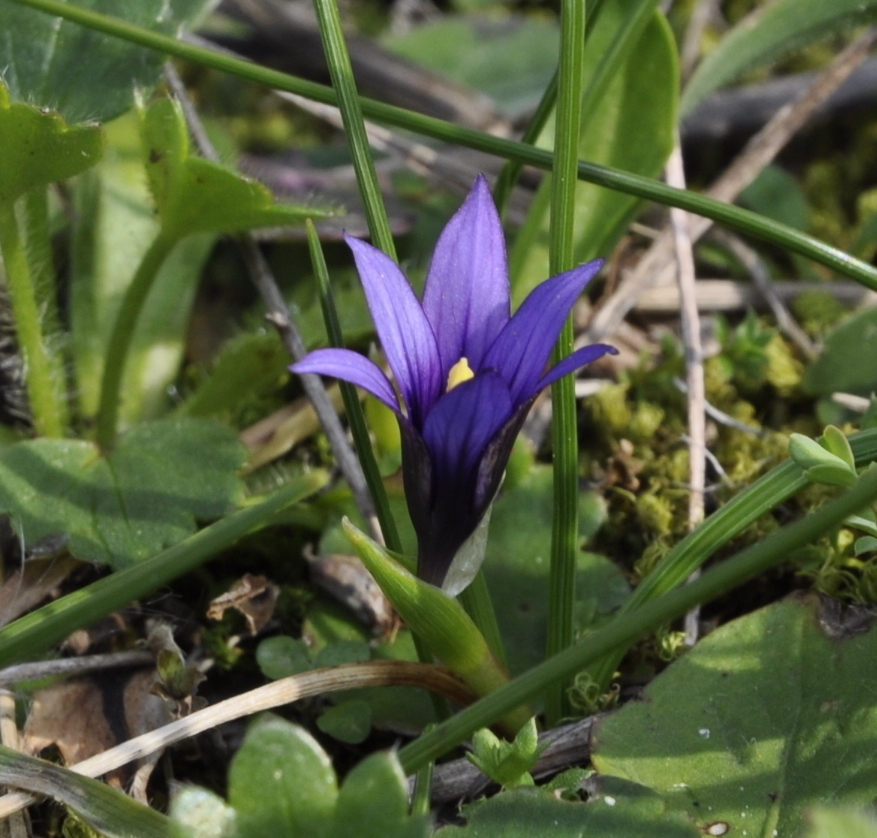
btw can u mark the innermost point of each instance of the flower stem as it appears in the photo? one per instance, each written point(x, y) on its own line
point(43, 388)
point(565, 525)
point(122, 335)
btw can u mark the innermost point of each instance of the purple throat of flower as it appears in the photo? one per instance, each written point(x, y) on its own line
point(467, 370)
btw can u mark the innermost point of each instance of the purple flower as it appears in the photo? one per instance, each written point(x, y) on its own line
point(467, 371)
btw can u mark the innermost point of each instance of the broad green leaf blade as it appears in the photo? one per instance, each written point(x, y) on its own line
point(533, 813)
point(78, 71)
point(517, 561)
point(848, 362)
point(39, 148)
point(144, 497)
point(631, 126)
point(281, 782)
point(511, 58)
point(109, 811)
point(194, 195)
point(764, 717)
point(373, 802)
point(767, 34)
point(830, 822)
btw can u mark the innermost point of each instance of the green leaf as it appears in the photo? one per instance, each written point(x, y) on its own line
point(764, 717)
point(248, 363)
point(194, 195)
point(350, 721)
point(835, 440)
point(630, 126)
point(533, 813)
point(39, 148)
point(280, 657)
point(776, 194)
point(510, 58)
point(79, 71)
point(767, 34)
point(820, 465)
point(144, 497)
point(198, 813)
point(516, 568)
point(281, 782)
point(848, 362)
point(507, 763)
point(109, 811)
point(373, 802)
point(832, 822)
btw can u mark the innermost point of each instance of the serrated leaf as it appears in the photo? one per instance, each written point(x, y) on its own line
point(764, 717)
point(80, 72)
point(769, 33)
point(39, 147)
point(194, 195)
point(281, 782)
point(145, 496)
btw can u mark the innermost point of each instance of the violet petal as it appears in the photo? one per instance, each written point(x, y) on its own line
point(462, 423)
point(406, 336)
point(577, 359)
point(466, 297)
point(352, 367)
point(522, 349)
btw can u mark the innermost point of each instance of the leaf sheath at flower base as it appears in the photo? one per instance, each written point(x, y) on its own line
point(440, 621)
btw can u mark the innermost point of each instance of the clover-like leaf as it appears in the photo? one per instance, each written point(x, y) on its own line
point(117, 509)
point(765, 717)
point(194, 195)
point(39, 148)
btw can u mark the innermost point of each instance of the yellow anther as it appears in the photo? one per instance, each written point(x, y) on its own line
point(460, 372)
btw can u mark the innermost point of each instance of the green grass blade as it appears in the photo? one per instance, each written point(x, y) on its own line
point(341, 73)
point(736, 218)
point(109, 811)
point(565, 521)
